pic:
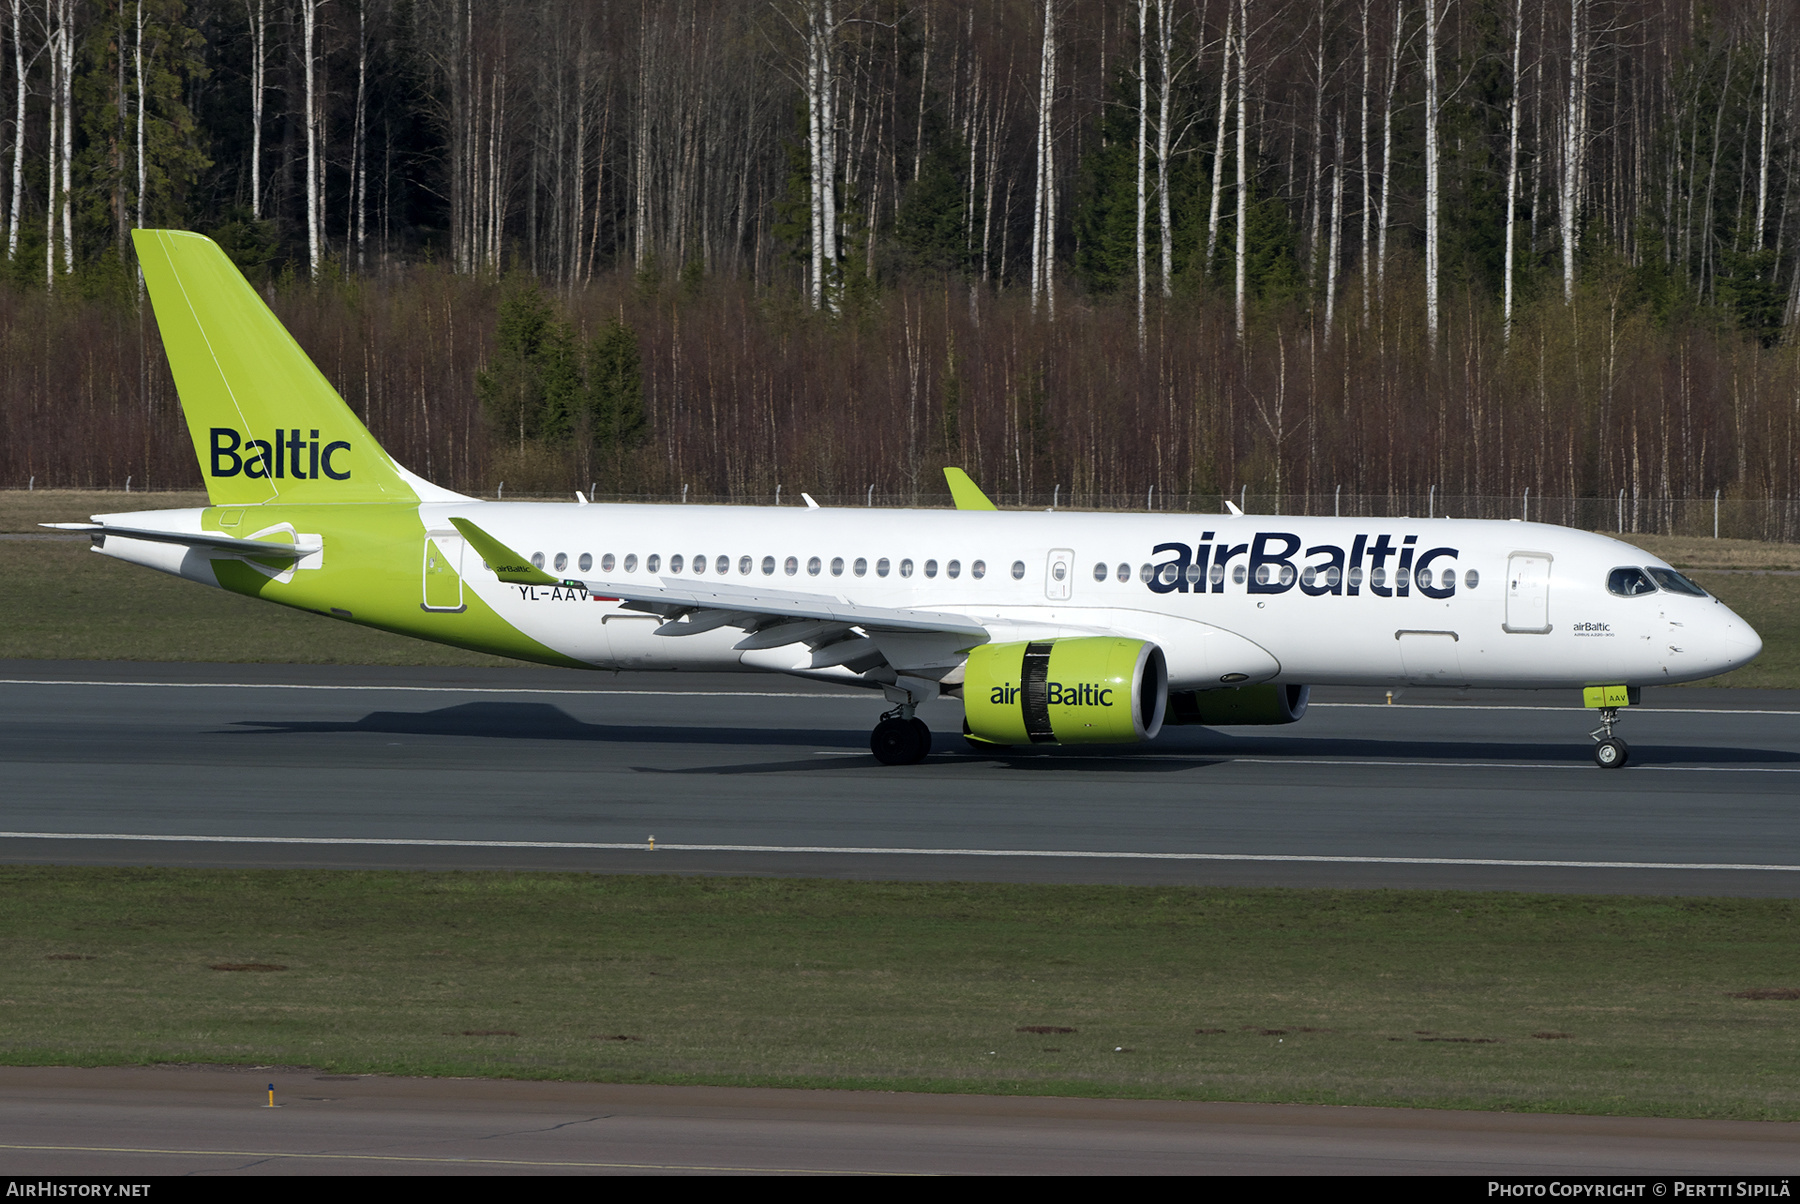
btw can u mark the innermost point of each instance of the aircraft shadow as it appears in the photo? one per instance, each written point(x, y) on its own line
point(542, 721)
point(1179, 750)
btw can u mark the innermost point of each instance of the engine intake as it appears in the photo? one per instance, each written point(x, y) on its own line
point(1083, 690)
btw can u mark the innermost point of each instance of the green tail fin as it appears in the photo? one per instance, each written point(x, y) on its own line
point(266, 424)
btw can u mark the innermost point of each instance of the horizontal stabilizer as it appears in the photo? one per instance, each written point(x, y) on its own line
point(199, 539)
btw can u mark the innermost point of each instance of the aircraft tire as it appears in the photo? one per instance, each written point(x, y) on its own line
point(921, 740)
point(1611, 754)
point(900, 741)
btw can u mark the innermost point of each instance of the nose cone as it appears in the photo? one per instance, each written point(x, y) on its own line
point(1733, 642)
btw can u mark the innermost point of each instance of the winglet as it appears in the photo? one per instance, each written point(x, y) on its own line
point(966, 493)
point(507, 564)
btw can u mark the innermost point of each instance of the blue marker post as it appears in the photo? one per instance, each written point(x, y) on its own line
point(271, 1095)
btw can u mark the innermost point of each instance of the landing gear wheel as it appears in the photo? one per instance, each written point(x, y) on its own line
point(1611, 753)
point(897, 741)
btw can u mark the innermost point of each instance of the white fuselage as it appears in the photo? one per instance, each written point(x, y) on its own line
point(1387, 601)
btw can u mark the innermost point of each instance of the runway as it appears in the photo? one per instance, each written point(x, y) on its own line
point(245, 765)
point(166, 1121)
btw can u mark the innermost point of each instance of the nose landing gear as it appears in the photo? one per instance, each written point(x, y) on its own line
point(900, 738)
point(1610, 752)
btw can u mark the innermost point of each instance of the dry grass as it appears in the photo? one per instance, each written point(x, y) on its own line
point(1687, 553)
point(22, 510)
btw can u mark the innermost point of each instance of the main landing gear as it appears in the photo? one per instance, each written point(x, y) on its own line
point(1610, 752)
point(900, 738)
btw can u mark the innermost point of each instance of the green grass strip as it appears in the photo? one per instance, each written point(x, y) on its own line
point(1617, 1005)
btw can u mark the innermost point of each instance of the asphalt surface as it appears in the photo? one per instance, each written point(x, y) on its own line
point(199, 1121)
point(544, 769)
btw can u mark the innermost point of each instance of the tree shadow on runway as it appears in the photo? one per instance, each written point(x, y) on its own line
point(1178, 750)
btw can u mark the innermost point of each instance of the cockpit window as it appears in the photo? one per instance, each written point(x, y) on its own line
point(1629, 582)
point(1675, 583)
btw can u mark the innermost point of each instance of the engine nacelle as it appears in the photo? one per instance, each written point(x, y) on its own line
point(1244, 706)
point(1082, 690)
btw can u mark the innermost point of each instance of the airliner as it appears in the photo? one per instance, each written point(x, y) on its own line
point(1050, 627)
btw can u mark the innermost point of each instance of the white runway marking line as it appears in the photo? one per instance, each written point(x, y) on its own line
point(236, 685)
point(640, 846)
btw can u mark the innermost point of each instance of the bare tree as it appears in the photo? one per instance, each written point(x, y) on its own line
point(1512, 173)
point(256, 11)
point(1432, 188)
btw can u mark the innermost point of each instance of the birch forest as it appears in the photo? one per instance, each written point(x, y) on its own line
point(1121, 252)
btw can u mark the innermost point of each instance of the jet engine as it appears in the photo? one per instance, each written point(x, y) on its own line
point(1244, 706)
point(1081, 690)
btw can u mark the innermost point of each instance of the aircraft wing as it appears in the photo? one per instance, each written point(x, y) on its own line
point(673, 597)
point(198, 539)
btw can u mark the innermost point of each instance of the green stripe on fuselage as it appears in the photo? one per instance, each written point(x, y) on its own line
point(372, 567)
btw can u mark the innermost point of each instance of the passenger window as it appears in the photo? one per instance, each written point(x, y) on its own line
point(699, 564)
point(1471, 579)
point(1168, 574)
point(1124, 573)
point(1425, 577)
point(1100, 572)
point(1018, 570)
point(723, 565)
point(813, 566)
point(1356, 577)
point(631, 562)
point(837, 566)
point(1147, 574)
point(607, 562)
point(1238, 574)
point(906, 568)
point(791, 565)
point(1378, 577)
point(675, 564)
point(978, 570)
point(1308, 577)
point(861, 567)
point(1216, 574)
point(562, 561)
point(953, 569)
point(1333, 576)
point(881, 567)
point(1675, 583)
point(768, 566)
point(744, 565)
point(537, 560)
point(1193, 574)
point(586, 562)
point(1401, 576)
point(931, 568)
point(652, 563)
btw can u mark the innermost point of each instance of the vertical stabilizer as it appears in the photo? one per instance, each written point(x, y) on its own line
point(266, 424)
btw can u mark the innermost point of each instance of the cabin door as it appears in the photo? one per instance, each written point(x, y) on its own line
point(443, 572)
point(1528, 592)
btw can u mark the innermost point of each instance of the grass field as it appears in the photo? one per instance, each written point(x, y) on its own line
point(62, 602)
point(1551, 1003)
